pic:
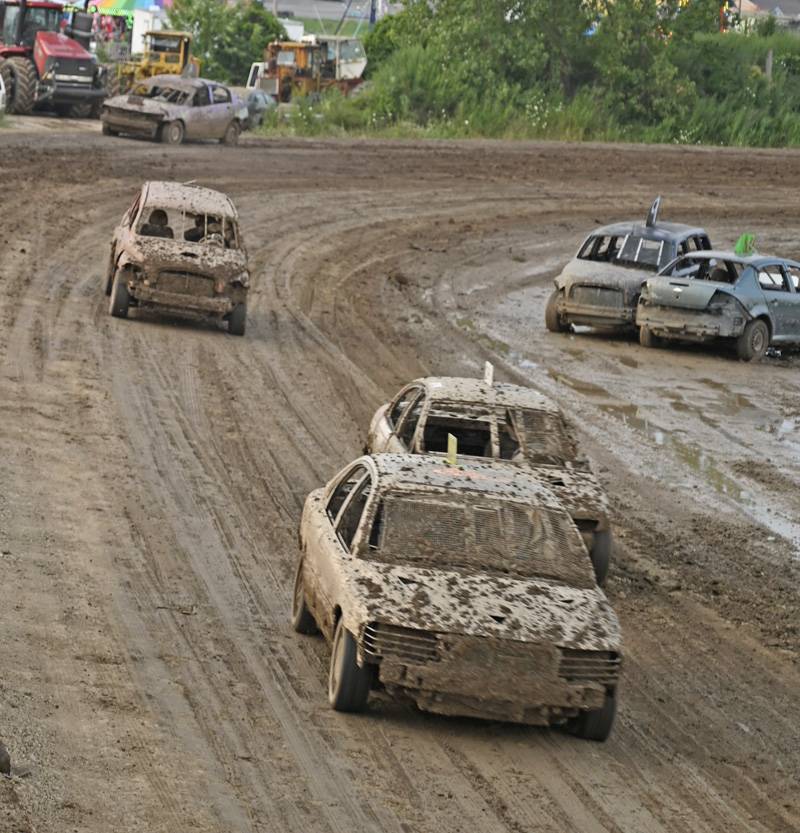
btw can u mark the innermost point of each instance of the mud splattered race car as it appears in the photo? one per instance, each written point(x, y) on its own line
point(752, 302)
point(465, 589)
point(600, 286)
point(179, 248)
point(171, 108)
point(499, 422)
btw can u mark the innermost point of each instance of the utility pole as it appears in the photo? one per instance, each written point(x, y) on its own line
point(275, 7)
point(373, 14)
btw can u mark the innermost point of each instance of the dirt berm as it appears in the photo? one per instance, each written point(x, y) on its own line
point(152, 473)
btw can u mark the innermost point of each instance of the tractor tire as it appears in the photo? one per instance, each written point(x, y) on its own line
point(83, 110)
point(754, 341)
point(231, 136)
point(172, 133)
point(20, 79)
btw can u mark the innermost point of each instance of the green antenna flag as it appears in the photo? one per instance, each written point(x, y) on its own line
point(745, 245)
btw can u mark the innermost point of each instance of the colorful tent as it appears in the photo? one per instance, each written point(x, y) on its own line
point(126, 7)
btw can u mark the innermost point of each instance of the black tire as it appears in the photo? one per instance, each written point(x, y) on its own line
point(231, 136)
point(552, 319)
point(20, 79)
point(348, 685)
point(754, 341)
point(596, 724)
point(302, 619)
point(237, 321)
point(172, 133)
point(109, 131)
point(120, 298)
point(600, 554)
point(110, 274)
point(82, 110)
point(646, 337)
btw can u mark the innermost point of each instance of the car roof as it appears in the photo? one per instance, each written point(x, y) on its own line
point(660, 231)
point(181, 82)
point(754, 260)
point(413, 472)
point(162, 194)
point(467, 390)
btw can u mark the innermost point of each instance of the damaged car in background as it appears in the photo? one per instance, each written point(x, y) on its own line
point(171, 108)
point(752, 302)
point(501, 422)
point(600, 286)
point(179, 248)
point(465, 589)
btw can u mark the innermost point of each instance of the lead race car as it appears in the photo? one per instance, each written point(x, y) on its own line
point(751, 301)
point(600, 286)
point(502, 422)
point(463, 588)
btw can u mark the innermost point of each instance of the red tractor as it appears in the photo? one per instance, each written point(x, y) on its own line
point(41, 66)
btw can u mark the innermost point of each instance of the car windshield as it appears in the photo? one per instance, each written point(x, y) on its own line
point(506, 433)
point(189, 227)
point(626, 250)
point(162, 93)
point(478, 534)
point(718, 270)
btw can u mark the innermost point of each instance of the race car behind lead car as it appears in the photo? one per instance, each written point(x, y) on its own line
point(752, 301)
point(600, 286)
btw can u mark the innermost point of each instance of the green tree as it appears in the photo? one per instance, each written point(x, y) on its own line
point(228, 38)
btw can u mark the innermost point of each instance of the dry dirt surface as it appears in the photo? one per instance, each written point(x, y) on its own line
point(152, 474)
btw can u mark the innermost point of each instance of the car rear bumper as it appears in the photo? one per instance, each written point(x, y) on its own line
point(220, 305)
point(688, 325)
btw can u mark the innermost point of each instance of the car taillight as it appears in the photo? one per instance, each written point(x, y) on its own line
point(721, 303)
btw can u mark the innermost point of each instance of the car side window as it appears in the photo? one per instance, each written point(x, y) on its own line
point(401, 404)
point(221, 95)
point(350, 516)
point(794, 277)
point(201, 97)
point(340, 494)
point(409, 424)
point(772, 279)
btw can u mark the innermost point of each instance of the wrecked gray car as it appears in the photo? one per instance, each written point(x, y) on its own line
point(171, 108)
point(500, 422)
point(179, 248)
point(600, 286)
point(465, 589)
point(752, 302)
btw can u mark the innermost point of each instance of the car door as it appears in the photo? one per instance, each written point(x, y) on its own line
point(222, 111)
point(330, 543)
point(198, 114)
point(774, 283)
point(793, 303)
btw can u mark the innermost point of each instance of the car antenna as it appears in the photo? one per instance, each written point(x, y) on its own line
point(652, 217)
point(488, 374)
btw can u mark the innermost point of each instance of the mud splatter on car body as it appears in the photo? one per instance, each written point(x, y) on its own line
point(466, 587)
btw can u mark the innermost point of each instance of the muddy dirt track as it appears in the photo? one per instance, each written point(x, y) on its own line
point(152, 474)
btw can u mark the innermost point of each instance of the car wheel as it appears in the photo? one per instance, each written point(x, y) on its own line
point(647, 339)
point(231, 136)
point(552, 319)
point(596, 724)
point(172, 133)
point(120, 297)
point(237, 321)
point(601, 555)
point(348, 685)
point(302, 619)
point(109, 131)
point(753, 342)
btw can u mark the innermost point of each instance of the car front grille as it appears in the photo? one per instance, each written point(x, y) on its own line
point(186, 283)
point(597, 296)
point(589, 666)
point(398, 644)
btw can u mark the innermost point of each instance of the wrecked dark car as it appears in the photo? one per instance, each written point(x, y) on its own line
point(500, 422)
point(600, 286)
point(179, 248)
point(465, 589)
point(171, 108)
point(752, 302)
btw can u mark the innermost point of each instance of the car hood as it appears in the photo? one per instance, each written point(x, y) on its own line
point(145, 106)
point(448, 601)
point(596, 273)
point(174, 255)
point(683, 292)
